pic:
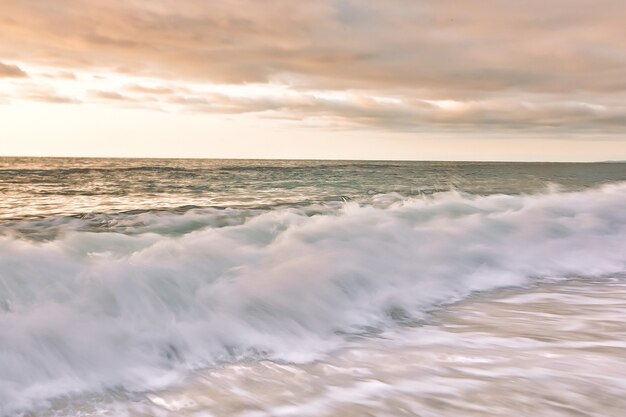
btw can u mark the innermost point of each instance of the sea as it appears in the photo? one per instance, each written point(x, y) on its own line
point(258, 288)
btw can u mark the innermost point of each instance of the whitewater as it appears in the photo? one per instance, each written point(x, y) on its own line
point(364, 300)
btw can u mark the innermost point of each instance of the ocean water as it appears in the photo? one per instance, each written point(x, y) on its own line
point(296, 288)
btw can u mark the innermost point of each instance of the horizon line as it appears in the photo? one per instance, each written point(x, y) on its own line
point(311, 159)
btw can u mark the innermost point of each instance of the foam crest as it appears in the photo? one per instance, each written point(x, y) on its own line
point(100, 310)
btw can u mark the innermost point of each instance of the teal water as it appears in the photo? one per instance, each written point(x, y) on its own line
point(72, 186)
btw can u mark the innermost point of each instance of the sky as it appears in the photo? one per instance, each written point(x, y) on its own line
point(327, 79)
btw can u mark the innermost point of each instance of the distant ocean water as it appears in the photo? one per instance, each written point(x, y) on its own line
point(266, 288)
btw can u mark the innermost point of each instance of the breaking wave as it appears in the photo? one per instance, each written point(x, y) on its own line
point(135, 303)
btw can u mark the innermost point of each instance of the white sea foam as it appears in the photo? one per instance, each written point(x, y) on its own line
point(88, 311)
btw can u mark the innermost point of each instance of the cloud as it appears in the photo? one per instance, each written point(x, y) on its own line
point(31, 90)
point(11, 71)
point(60, 75)
point(108, 95)
point(149, 90)
point(531, 114)
point(442, 48)
point(51, 97)
point(528, 66)
point(350, 110)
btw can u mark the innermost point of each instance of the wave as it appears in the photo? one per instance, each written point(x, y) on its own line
point(89, 310)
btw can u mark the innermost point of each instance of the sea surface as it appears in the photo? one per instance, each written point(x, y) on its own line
point(148, 287)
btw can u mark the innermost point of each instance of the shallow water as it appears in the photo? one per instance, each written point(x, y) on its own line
point(218, 288)
point(554, 349)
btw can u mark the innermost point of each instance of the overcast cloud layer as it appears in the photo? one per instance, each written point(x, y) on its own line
point(537, 67)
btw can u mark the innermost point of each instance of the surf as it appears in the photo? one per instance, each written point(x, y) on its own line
point(137, 307)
